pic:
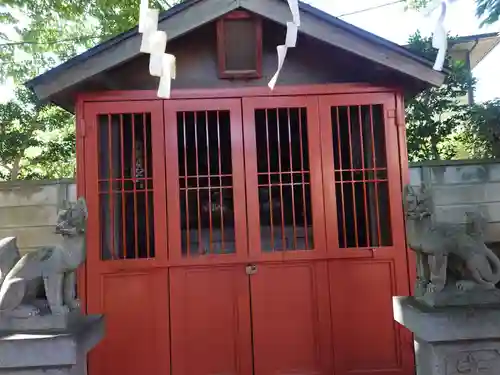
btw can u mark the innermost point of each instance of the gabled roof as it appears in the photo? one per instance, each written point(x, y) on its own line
point(191, 14)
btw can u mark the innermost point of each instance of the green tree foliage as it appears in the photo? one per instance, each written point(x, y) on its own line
point(435, 115)
point(36, 141)
point(52, 31)
point(481, 136)
point(488, 11)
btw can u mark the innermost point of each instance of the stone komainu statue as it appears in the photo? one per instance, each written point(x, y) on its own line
point(449, 256)
point(49, 269)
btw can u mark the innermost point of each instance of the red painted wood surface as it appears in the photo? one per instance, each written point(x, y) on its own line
point(222, 49)
point(137, 324)
point(366, 338)
point(300, 289)
point(236, 187)
point(240, 92)
point(80, 191)
point(291, 319)
point(210, 317)
point(367, 275)
point(307, 130)
point(125, 290)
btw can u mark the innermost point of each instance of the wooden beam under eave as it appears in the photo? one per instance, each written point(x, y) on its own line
point(176, 25)
point(278, 11)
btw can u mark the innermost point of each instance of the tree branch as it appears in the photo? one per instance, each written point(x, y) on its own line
point(16, 167)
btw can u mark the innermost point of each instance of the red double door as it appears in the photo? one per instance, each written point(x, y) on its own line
point(246, 236)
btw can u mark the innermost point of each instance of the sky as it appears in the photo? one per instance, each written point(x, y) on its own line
point(394, 23)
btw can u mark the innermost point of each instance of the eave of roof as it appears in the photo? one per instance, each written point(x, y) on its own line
point(477, 46)
point(460, 43)
point(472, 38)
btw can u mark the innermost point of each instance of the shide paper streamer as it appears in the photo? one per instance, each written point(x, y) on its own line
point(440, 36)
point(154, 42)
point(290, 41)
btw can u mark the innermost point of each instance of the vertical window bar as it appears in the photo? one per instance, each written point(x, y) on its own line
point(134, 156)
point(349, 124)
point(110, 185)
point(200, 243)
point(123, 191)
point(367, 223)
point(341, 166)
point(146, 181)
point(374, 160)
point(220, 184)
point(186, 185)
point(303, 173)
point(269, 181)
point(280, 179)
point(209, 187)
point(292, 179)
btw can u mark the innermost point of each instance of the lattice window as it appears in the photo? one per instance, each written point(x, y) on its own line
point(126, 186)
point(206, 183)
point(283, 179)
point(360, 164)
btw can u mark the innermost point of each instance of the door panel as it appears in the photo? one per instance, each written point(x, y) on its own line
point(283, 178)
point(210, 321)
point(290, 315)
point(125, 180)
point(362, 185)
point(361, 176)
point(136, 340)
point(206, 187)
point(367, 340)
point(126, 241)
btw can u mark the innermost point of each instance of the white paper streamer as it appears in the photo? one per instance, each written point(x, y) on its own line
point(440, 39)
point(148, 20)
point(154, 42)
point(291, 34)
point(168, 73)
point(440, 36)
point(164, 87)
point(294, 8)
point(290, 40)
point(156, 64)
point(169, 64)
point(143, 14)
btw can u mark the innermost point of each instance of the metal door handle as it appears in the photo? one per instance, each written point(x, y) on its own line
point(251, 269)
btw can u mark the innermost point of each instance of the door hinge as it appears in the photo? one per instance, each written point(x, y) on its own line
point(393, 114)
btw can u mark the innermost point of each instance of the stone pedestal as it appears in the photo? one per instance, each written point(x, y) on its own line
point(452, 340)
point(50, 351)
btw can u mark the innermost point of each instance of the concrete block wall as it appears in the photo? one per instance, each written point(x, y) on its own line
point(461, 186)
point(28, 210)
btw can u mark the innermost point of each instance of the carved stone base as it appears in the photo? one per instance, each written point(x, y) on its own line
point(39, 323)
point(50, 352)
point(451, 296)
point(452, 340)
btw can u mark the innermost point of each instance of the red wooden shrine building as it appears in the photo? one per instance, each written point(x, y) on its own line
point(235, 230)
